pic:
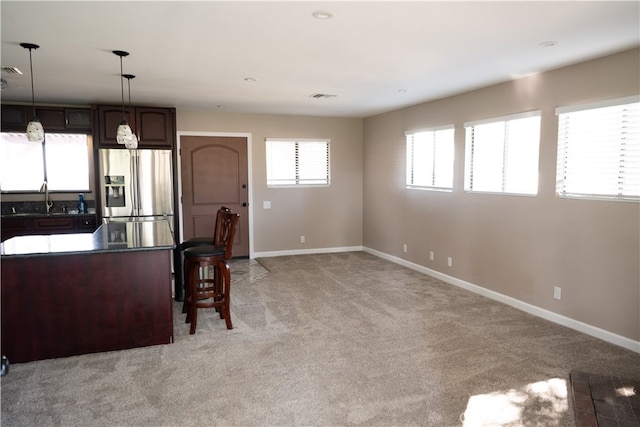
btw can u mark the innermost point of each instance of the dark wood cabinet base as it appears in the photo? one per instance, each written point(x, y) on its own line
point(65, 305)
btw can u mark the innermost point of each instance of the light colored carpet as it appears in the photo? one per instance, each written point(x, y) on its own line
point(326, 340)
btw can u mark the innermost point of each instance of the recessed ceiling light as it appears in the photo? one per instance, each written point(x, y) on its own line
point(402, 90)
point(549, 43)
point(250, 79)
point(323, 14)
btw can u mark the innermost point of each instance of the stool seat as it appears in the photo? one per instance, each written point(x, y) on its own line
point(205, 251)
point(196, 241)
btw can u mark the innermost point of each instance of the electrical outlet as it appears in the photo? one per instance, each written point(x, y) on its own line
point(432, 256)
point(557, 292)
point(450, 262)
point(302, 239)
point(404, 248)
point(266, 204)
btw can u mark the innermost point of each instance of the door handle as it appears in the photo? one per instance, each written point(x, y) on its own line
point(245, 204)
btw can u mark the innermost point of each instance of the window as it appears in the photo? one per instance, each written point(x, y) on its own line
point(430, 158)
point(292, 163)
point(599, 150)
point(22, 163)
point(502, 154)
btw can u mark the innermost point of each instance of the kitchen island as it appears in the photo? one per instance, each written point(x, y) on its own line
point(71, 294)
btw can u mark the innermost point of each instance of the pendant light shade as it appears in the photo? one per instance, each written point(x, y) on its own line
point(133, 143)
point(35, 131)
point(124, 134)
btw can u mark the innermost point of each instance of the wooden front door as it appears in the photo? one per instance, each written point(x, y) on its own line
point(214, 174)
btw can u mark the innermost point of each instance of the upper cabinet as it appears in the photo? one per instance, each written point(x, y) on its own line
point(78, 118)
point(155, 127)
point(53, 119)
point(109, 117)
point(14, 117)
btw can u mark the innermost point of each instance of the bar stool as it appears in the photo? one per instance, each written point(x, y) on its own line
point(204, 292)
point(190, 243)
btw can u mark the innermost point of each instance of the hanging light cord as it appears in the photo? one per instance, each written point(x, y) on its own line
point(122, 87)
point(129, 77)
point(129, 88)
point(33, 97)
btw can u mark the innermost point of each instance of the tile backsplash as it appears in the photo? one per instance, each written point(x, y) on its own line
point(7, 208)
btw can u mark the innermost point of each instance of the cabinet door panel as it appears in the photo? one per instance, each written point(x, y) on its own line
point(78, 118)
point(14, 117)
point(86, 224)
point(57, 225)
point(52, 119)
point(12, 227)
point(154, 127)
point(109, 118)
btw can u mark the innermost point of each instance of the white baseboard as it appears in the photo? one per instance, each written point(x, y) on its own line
point(307, 251)
point(520, 305)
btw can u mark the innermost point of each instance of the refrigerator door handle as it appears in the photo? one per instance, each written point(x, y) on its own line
point(135, 185)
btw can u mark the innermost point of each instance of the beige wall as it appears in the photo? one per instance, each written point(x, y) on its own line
point(330, 217)
point(514, 245)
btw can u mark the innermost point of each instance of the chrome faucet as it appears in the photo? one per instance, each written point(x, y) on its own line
point(45, 189)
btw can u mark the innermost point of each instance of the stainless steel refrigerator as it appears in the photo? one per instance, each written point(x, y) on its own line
point(137, 185)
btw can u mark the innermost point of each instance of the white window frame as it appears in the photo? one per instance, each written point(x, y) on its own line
point(598, 158)
point(23, 169)
point(511, 160)
point(298, 162)
point(430, 156)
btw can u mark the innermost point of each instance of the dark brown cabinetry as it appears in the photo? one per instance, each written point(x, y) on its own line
point(155, 127)
point(66, 304)
point(42, 224)
point(109, 118)
point(54, 119)
point(65, 119)
point(15, 117)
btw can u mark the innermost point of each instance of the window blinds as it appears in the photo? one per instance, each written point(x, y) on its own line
point(297, 162)
point(599, 151)
point(430, 158)
point(502, 154)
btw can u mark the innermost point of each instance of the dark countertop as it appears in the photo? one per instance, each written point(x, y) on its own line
point(112, 237)
point(46, 215)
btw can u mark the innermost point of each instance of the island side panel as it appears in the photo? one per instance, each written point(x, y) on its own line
point(64, 305)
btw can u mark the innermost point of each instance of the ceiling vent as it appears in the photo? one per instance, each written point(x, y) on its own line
point(11, 70)
point(322, 95)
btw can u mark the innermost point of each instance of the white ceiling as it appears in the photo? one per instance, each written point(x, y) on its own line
point(374, 56)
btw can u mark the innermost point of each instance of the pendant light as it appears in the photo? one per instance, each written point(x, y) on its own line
point(124, 134)
point(35, 131)
point(133, 143)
